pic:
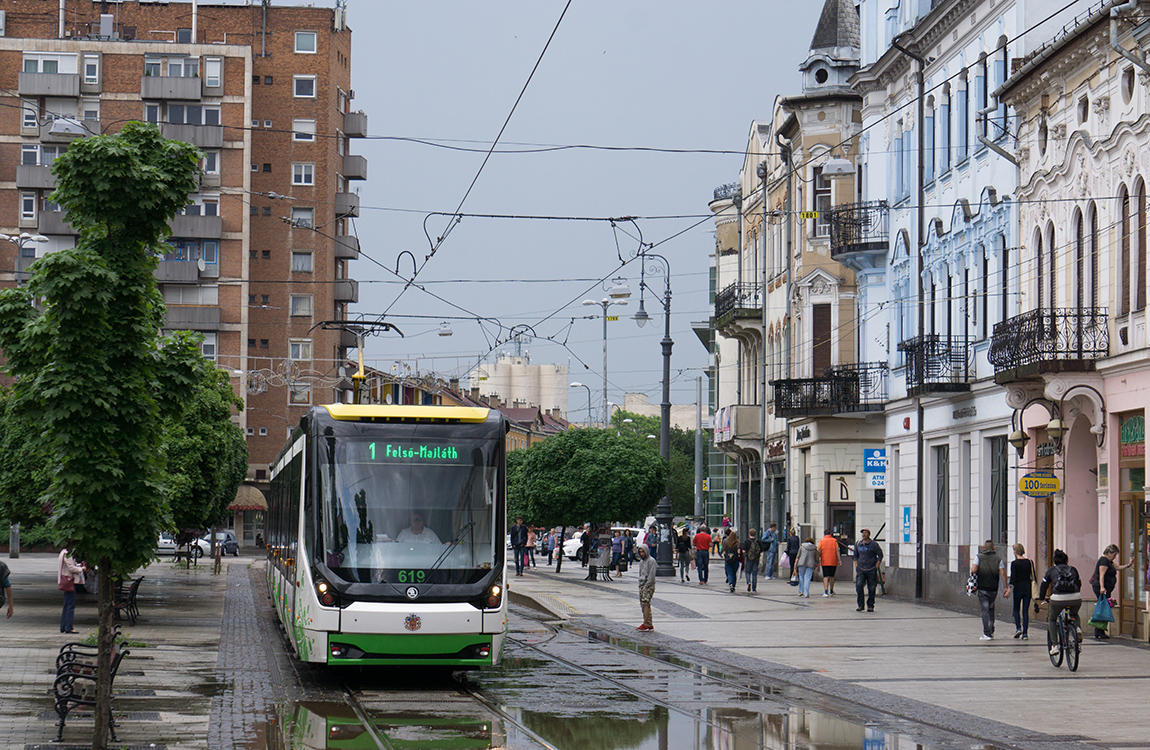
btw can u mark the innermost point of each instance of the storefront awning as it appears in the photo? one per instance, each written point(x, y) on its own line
point(248, 498)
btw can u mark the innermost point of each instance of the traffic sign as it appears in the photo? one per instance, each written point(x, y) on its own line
point(1039, 484)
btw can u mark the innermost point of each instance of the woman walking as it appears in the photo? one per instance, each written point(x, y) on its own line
point(529, 553)
point(808, 558)
point(1022, 576)
point(70, 575)
point(683, 550)
point(752, 551)
point(731, 554)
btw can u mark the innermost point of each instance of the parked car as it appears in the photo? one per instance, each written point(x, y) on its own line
point(166, 545)
point(227, 539)
point(571, 547)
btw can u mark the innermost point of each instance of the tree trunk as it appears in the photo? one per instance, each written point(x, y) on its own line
point(106, 641)
point(562, 538)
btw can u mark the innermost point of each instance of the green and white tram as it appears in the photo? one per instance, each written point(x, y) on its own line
point(385, 535)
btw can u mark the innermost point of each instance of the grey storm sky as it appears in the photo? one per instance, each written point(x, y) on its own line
point(637, 73)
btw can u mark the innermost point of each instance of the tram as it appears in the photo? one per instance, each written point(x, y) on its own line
point(385, 535)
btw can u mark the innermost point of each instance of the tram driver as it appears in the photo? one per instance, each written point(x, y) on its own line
point(417, 532)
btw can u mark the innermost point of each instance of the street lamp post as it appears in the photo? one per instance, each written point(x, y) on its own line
point(584, 385)
point(23, 243)
point(605, 303)
point(663, 510)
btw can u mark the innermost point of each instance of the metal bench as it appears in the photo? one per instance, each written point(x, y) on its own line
point(124, 600)
point(75, 685)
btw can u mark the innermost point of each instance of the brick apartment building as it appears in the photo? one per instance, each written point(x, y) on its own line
point(262, 252)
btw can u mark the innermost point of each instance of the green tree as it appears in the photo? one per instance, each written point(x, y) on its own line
point(89, 363)
point(584, 475)
point(24, 466)
point(681, 461)
point(206, 454)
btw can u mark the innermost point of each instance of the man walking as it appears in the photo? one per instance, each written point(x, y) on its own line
point(829, 552)
point(771, 549)
point(518, 543)
point(647, 569)
point(5, 588)
point(702, 552)
point(989, 569)
point(868, 555)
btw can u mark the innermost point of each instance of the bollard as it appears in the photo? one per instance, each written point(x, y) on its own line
point(14, 540)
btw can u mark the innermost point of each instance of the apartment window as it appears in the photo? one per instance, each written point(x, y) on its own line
point(30, 154)
point(214, 72)
point(822, 202)
point(30, 119)
point(266, 254)
point(253, 211)
point(300, 349)
point(301, 305)
point(211, 252)
point(267, 167)
point(303, 217)
point(928, 146)
point(211, 162)
point(193, 114)
point(944, 132)
point(267, 210)
point(193, 250)
point(942, 494)
point(183, 67)
point(183, 36)
point(181, 294)
point(300, 393)
point(251, 430)
point(267, 80)
point(301, 262)
point(91, 68)
point(255, 167)
point(303, 174)
point(263, 343)
point(303, 130)
point(963, 120)
point(28, 206)
point(152, 66)
point(303, 87)
point(90, 109)
point(263, 432)
point(267, 123)
point(255, 123)
point(208, 345)
point(255, 80)
point(37, 62)
point(251, 301)
point(305, 42)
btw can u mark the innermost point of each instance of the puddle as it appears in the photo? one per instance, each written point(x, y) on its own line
point(312, 725)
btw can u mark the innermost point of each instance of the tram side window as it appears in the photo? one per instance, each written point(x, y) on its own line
point(293, 502)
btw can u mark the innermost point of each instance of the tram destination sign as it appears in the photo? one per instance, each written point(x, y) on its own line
point(1039, 484)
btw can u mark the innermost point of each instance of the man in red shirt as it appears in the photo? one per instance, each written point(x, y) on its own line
point(829, 552)
point(702, 543)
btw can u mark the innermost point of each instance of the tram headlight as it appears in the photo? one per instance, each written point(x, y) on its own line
point(494, 596)
point(324, 591)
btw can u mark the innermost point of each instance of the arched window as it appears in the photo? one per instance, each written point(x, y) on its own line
point(1052, 263)
point(1140, 270)
point(1077, 283)
point(1039, 271)
point(1092, 288)
point(1123, 251)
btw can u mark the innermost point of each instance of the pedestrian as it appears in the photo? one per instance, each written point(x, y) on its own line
point(702, 542)
point(647, 569)
point(532, 540)
point(585, 544)
point(868, 555)
point(71, 573)
point(518, 542)
point(731, 555)
point(683, 548)
point(1065, 587)
point(829, 556)
point(617, 552)
point(752, 551)
point(549, 545)
point(989, 569)
point(652, 541)
point(1104, 580)
point(770, 548)
point(793, 543)
point(5, 587)
point(628, 546)
point(808, 558)
point(1022, 579)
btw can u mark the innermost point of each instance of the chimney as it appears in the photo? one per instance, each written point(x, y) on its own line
point(453, 385)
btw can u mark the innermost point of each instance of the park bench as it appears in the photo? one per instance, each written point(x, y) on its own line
point(75, 683)
point(124, 600)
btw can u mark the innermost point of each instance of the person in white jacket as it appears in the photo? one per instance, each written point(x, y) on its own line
point(71, 575)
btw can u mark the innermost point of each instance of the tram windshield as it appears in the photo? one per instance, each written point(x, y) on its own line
point(411, 509)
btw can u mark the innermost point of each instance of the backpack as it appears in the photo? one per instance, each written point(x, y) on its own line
point(1067, 580)
point(731, 554)
point(754, 551)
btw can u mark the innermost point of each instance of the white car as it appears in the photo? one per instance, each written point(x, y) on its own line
point(572, 545)
point(166, 545)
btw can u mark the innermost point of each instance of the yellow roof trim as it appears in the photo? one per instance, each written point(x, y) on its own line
point(352, 412)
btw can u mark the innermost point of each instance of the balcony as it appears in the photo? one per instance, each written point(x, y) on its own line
point(197, 227)
point(355, 124)
point(204, 136)
point(859, 232)
point(1049, 340)
point(177, 272)
point(845, 389)
point(346, 204)
point(346, 290)
point(727, 192)
point(186, 88)
point(355, 167)
point(49, 84)
point(738, 422)
point(938, 364)
point(34, 177)
point(346, 247)
point(52, 222)
point(737, 306)
point(193, 318)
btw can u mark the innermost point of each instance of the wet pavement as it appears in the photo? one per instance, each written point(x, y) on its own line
point(210, 670)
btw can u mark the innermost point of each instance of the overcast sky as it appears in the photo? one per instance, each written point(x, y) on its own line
point(637, 73)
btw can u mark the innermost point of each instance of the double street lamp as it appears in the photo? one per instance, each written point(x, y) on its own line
point(24, 243)
point(616, 296)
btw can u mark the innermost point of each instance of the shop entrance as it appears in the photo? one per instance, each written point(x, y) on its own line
point(1131, 523)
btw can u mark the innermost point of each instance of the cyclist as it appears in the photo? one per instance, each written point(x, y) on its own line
point(1065, 593)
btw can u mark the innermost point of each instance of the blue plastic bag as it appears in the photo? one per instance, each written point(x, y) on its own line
point(1102, 615)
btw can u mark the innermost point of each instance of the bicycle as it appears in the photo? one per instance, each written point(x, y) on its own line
point(1068, 645)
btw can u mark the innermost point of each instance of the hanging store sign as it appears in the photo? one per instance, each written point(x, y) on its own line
point(1039, 484)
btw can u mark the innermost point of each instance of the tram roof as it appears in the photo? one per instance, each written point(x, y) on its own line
point(381, 412)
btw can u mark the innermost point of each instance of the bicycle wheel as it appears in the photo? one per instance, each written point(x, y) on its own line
point(1055, 659)
point(1070, 645)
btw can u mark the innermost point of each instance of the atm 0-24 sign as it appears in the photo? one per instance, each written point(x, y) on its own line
point(1039, 484)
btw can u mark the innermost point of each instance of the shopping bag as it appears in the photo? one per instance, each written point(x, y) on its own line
point(785, 561)
point(1102, 615)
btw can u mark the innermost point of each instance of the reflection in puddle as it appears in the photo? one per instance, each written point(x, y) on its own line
point(326, 726)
